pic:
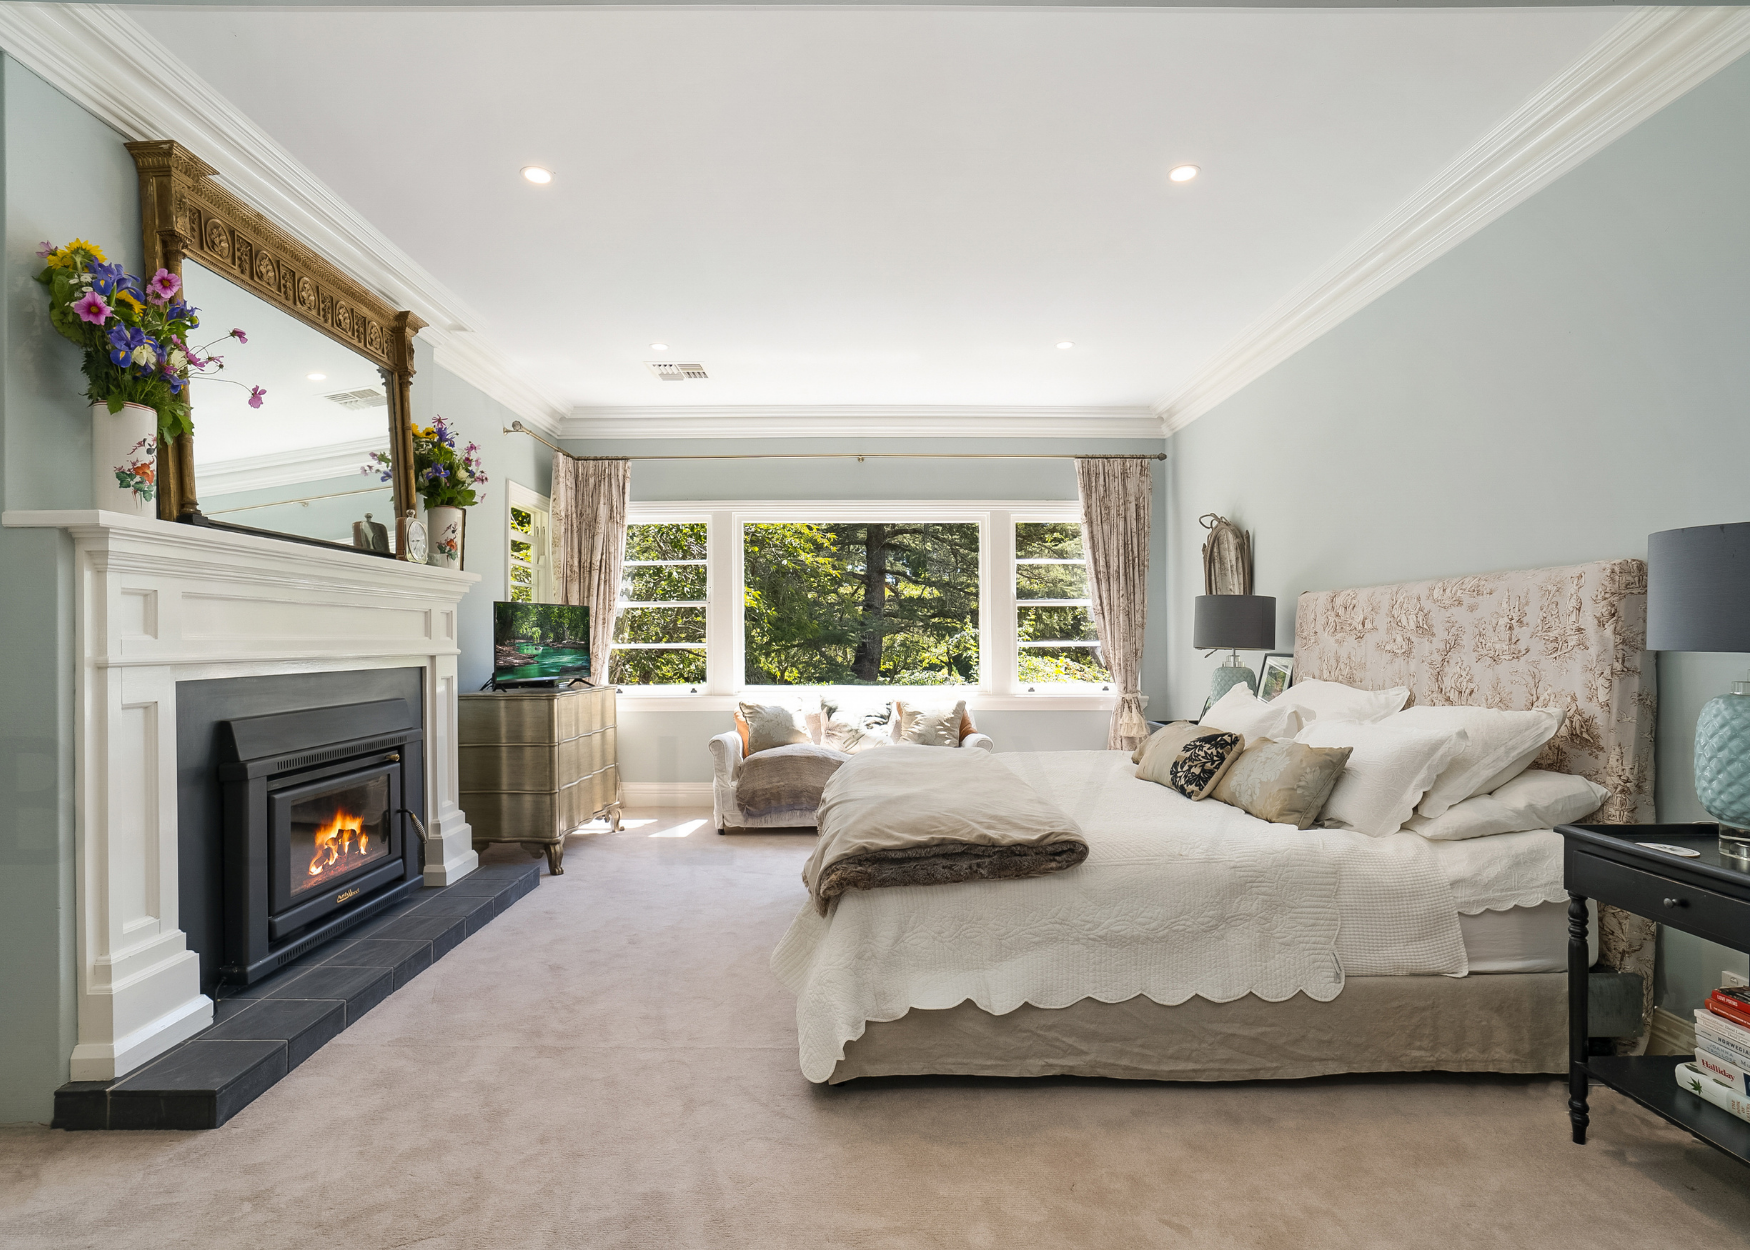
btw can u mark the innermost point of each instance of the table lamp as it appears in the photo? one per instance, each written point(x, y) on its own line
point(1698, 599)
point(1233, 623)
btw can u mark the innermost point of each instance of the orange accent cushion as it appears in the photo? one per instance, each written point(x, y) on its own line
point(741, 728)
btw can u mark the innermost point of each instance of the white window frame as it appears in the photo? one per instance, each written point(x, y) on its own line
point(635, 517)
point(1015, 562)
point(541, 541)
point(725, 647)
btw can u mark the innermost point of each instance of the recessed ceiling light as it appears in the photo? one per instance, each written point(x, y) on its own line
point(1064, 347)
point(535, 174)
point(659, 347)
point(1182, 173)
point(318, 377)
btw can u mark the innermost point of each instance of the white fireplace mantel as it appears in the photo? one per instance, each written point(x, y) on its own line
point(158, 603)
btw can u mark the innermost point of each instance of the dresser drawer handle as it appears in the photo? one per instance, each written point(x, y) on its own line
point(1677, 902)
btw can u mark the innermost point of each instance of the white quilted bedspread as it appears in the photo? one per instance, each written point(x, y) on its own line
point(1175, 899)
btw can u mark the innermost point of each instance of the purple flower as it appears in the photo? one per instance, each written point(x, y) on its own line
point(90, 307)
point(256, 394)
point(42, 252)
point(122, 341)
point(241, 338)
point(163, 285)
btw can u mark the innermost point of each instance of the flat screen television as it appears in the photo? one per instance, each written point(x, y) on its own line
point(539, 643)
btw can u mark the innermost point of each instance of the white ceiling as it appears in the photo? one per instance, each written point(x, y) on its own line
point(846, 206)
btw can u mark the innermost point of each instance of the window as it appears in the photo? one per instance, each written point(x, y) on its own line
point(1055, 642)
point(983, 598)
point(860, 603)
point(659, 635)
point(528, 570)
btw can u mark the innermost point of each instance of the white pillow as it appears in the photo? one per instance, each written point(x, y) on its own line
point(1499, 746)
point(1330, 700)
point(1239, 711)
point(1532, 800)
point(1389, 770)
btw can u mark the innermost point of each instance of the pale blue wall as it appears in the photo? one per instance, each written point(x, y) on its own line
point(669, 746)
point(65, 175)
point(479, 418)
point(1571, 379)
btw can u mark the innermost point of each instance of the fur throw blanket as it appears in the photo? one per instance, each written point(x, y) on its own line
point(917, 815)
point(786, 780)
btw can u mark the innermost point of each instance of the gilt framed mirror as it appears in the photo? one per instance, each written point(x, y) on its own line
point(335, 362)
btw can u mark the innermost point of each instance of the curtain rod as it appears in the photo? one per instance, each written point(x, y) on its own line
point(517, 427)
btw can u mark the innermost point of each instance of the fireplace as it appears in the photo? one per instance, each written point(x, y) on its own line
point(322, 815)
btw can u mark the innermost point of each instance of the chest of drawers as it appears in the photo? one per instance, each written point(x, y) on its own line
point(537, 764)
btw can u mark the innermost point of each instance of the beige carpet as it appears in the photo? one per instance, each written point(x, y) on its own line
point(610, 1064)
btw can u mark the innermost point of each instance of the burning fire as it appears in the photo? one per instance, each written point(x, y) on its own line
point(335, 844)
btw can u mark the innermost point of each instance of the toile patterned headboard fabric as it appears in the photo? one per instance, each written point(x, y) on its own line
point(1571, 637)
point(1568, 637)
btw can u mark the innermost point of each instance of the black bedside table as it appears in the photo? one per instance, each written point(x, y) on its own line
point(1703, 896)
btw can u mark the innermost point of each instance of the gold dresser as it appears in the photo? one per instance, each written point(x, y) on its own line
point(537, 764)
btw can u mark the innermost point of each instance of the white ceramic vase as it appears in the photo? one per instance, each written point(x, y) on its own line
point(444, 532)
point(124, 459)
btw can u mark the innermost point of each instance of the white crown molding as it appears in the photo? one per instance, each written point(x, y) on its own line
point(144, 91)
point(1644, 63)
point(900, 421)
point(285, 468)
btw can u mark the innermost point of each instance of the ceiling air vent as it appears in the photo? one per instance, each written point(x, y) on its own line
point(368, 397)
point(674, 371)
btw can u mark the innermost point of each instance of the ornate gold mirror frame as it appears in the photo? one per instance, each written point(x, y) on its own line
point(184, 213)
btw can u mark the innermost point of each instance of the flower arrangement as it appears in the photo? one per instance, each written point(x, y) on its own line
point(135, 335)
point(443, 476)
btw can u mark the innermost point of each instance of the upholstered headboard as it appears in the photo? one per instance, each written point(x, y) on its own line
point(1569, 637)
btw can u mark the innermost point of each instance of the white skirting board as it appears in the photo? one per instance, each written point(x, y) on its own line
point(666, 793)
point(1670, 1034)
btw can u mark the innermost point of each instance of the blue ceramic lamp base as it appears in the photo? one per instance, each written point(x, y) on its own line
point(1722, 768)
point(1232, 674)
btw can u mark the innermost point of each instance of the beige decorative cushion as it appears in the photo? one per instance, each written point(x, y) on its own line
point(930, 727)
point(766, 725)
point(1178, 733)
point(853, 734)
point(1285, 783)
point(1192, 767)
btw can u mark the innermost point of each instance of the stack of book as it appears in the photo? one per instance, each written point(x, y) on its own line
point(1722, 1052)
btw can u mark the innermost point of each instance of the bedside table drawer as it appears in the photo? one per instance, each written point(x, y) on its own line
point(1687, 907)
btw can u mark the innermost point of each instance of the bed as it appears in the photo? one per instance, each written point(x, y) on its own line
point(1447, 956)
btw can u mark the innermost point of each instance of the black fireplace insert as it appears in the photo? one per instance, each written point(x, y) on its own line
point(323, 811)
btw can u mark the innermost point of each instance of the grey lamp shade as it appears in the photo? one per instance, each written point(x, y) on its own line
point(1698, 589)
point(1234, 622)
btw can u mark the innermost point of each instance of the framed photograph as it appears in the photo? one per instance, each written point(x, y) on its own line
point(1274, 677)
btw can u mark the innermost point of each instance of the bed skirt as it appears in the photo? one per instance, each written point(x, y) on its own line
point(1507, 1022)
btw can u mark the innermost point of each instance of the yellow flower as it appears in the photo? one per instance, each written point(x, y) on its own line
point(121, 297)
point(64, 258)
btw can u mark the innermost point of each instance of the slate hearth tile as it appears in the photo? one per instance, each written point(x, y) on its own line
point(360, 988)
point(434, 929)
point(200, 1084)
point(474, 883)
point(305, 1025)
point(225, 1008)
point(406, 959)
point(448, 904)
point(376, 924)
point(82, 1105)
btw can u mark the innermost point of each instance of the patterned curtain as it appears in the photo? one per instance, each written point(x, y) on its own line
point(589, 542)
point(1116, 497)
